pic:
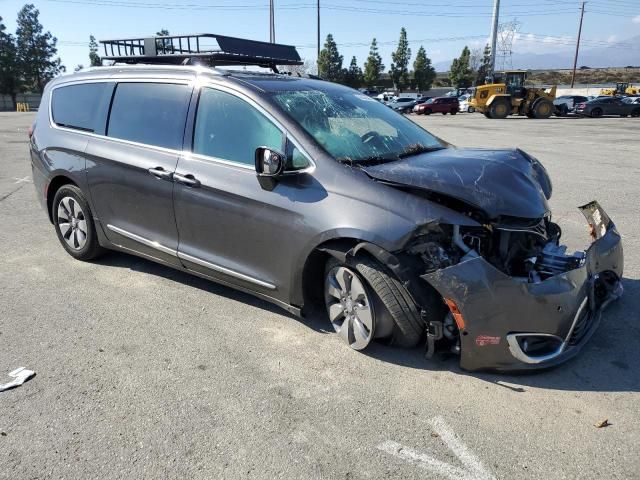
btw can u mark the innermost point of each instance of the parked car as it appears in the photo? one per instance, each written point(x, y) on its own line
point(608, 106)
point(632, 100)
point(566, 104)
point(442, 105)
point(463, 104)
point(298, 191)
point(403, 104)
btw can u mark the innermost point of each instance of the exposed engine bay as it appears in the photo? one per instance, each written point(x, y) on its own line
point(527, 250)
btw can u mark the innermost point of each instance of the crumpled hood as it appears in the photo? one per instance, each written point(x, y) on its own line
point(500, 182)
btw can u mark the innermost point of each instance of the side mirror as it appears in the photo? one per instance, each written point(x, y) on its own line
point(269, 165)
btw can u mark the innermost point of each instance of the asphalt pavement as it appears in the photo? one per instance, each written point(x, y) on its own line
point(147, 372)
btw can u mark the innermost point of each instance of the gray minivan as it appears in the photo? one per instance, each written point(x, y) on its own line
point(299, 190)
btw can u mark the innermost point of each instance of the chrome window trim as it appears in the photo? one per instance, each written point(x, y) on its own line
point(187, 154)
point(115, 81)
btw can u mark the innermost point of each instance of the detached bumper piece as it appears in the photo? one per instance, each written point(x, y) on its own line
point(513, 324)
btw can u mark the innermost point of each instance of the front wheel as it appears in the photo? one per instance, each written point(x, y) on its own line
point(365, 302)
point(453, 112)
point(635, 113)
point(471, 110)
point(596, 113)
point(74, 224)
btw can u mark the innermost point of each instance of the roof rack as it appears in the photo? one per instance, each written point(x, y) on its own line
point(205, 48)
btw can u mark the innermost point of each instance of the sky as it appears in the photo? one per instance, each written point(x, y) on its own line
point(443, 27)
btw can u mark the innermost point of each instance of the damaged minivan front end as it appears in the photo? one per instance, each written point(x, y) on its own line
point(515, 298)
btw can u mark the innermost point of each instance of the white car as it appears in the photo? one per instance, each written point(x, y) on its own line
point(464, 106)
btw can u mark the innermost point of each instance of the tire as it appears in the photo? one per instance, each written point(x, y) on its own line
point(542, 108)
point(596, 113)
point(427, 111)
point(471, 110)
point(635, 112)
point(444, 113)
point(486, 114)
point(453, 112)
point(499, 109)
point(389, 298)
point(624, 115)
point(74, 224)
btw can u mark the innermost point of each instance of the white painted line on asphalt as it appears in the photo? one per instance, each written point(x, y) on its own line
point(24, 179)
point(473, 468)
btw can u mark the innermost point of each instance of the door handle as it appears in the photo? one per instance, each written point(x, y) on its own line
point(189, 180)
point(160, 172)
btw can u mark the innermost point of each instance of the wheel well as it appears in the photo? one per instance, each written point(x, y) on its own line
point(53, 187)
point(313, 271)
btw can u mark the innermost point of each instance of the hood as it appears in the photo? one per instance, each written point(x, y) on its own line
point(499, 182)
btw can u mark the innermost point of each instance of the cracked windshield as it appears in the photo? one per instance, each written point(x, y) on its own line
point(353, 127)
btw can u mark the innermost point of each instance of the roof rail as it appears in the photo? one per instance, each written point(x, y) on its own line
point(204, 48)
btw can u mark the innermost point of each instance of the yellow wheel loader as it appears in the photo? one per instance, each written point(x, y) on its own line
point(621, 88)
point(509, 96)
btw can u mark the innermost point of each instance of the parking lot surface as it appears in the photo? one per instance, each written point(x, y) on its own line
point(147, 372)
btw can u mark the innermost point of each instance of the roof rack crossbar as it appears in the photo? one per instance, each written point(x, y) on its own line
point(208, 48)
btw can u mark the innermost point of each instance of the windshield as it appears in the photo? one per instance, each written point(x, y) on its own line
point(353, 127)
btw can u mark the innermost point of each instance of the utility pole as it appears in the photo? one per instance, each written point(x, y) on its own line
point(272, 26)
point(318, 37)
point(494, 35)
point(575, 59)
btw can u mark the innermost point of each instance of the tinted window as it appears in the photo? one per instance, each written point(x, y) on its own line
point(230, 129)
point(82, 107)
point(150, 113)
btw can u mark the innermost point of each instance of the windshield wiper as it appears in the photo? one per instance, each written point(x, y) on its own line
point(417, 150)
point(409, 151)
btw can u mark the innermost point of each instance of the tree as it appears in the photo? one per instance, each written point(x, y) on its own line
point(9, 74)
point(399, 69)
point(353, 76)
point(330, 61)
point(460, 73)
point(484, 70)
point(36, 51)
point(423, 72)
point(94, 58)
point(373, 67)
point(164, 44)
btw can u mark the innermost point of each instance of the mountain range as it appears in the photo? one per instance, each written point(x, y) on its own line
point(617, 55)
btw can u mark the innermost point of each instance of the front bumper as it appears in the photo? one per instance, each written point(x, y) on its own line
point(500, 312)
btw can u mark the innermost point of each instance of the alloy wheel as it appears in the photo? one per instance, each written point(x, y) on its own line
point(349, 307)
point(72, 223)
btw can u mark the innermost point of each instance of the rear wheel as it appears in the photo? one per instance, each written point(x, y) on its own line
point(364, 302)
point(596, 112)
point(499, 109)
point(74, 224)
point(635, 112)
point(453, 112)
point(471, 110)
point(542, 108)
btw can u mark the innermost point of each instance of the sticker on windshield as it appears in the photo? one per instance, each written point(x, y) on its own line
point(364, 97)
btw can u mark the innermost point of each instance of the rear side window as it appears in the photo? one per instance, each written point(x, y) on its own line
point(82, 107)
point(150, 113)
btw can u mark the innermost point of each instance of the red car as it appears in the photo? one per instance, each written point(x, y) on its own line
point(441, 105)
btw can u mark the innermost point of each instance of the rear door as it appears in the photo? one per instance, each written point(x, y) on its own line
point(130, 169)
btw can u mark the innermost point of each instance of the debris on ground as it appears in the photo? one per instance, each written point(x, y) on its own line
point(602, 424)
point(19, 375)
